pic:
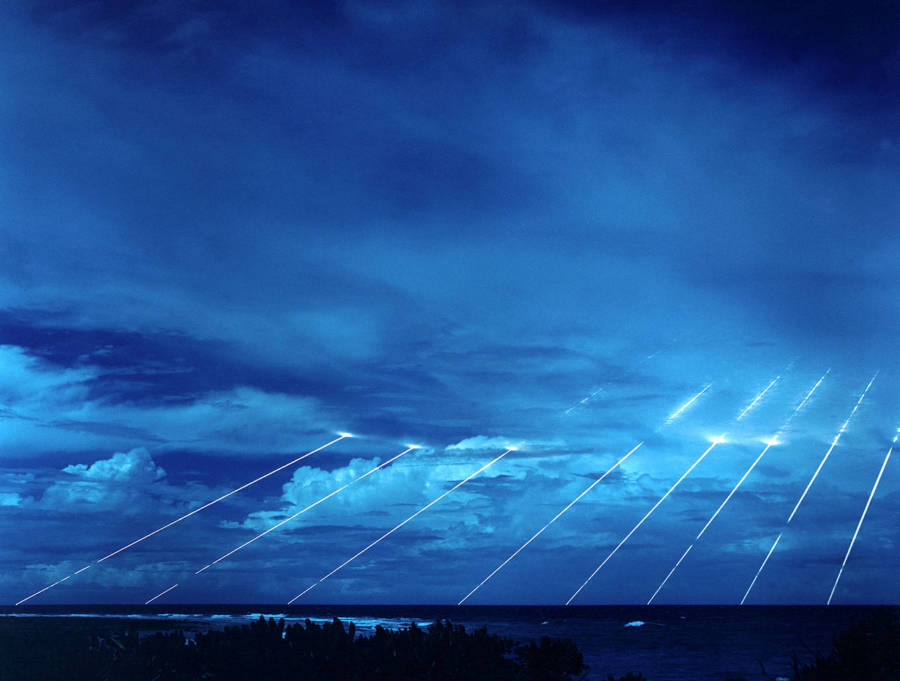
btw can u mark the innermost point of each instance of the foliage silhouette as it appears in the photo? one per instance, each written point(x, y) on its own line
point(867, 651)
point(51, 649)
point(270, 650)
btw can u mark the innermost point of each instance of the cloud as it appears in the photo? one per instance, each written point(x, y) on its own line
point(135, 466)
point(412, 481)
point(47, 406)
point(123, 482)
point(637, 157)
point(10, 499)
point(28, 382)
point(483, 442)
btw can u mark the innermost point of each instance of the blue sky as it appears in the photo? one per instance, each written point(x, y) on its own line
point(229, 233)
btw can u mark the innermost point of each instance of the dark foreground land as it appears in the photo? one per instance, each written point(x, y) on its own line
point(103, 649)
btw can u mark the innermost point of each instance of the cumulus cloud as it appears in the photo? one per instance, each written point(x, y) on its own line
point(135, 466)
point(498, 507)
point(412, 481)
point(482, 442)
point(10, 499)
point(120, 482)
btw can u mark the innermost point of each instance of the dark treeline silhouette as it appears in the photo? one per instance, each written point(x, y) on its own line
point(38, 649)
point(270, 651)
point(867, 651)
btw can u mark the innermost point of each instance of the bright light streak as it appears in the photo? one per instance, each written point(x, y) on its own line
point(700, 458)
point(759, 572)
point(346, 434)
point(398, 526)
point(859, 524)
point(678, 412)
point(78, 572)
point(161, 593)
point(584, 400)
point(553, 520)
point(771, 442)
point(810, 393)
point(758, 398)
point(834, 443)
point(304, 510)
point(671, 572)
point(225, 496)
point(734, 489)
point(46, 588)
point(196, 510)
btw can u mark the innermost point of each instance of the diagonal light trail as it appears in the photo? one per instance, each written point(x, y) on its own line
point(304, 510)
point(709, 522)
point(674, 415)
point(715, 441)
point(809, 394)
point(225, 496)
point(196, 510)
point(769, 444)
point(861, 519)
point(46, 588)
point(583, 400)
point(634, 529)
point(596, 391)
point(763, 565)
point(398, 526)
point(553, 520)
point(834, 443)
point(758, 398)
point(161, 593)
point(684, 407)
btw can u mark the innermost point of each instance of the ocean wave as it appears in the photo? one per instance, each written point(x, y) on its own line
point(641, 623)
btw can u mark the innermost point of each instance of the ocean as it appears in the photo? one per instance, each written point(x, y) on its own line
point(664, 643)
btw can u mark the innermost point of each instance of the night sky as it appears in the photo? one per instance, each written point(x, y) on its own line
point(231, 230)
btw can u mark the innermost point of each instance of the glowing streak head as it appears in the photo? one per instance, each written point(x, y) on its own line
point(719, 439)
point(346, 434)
point(772, 441)
point(409, 446)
